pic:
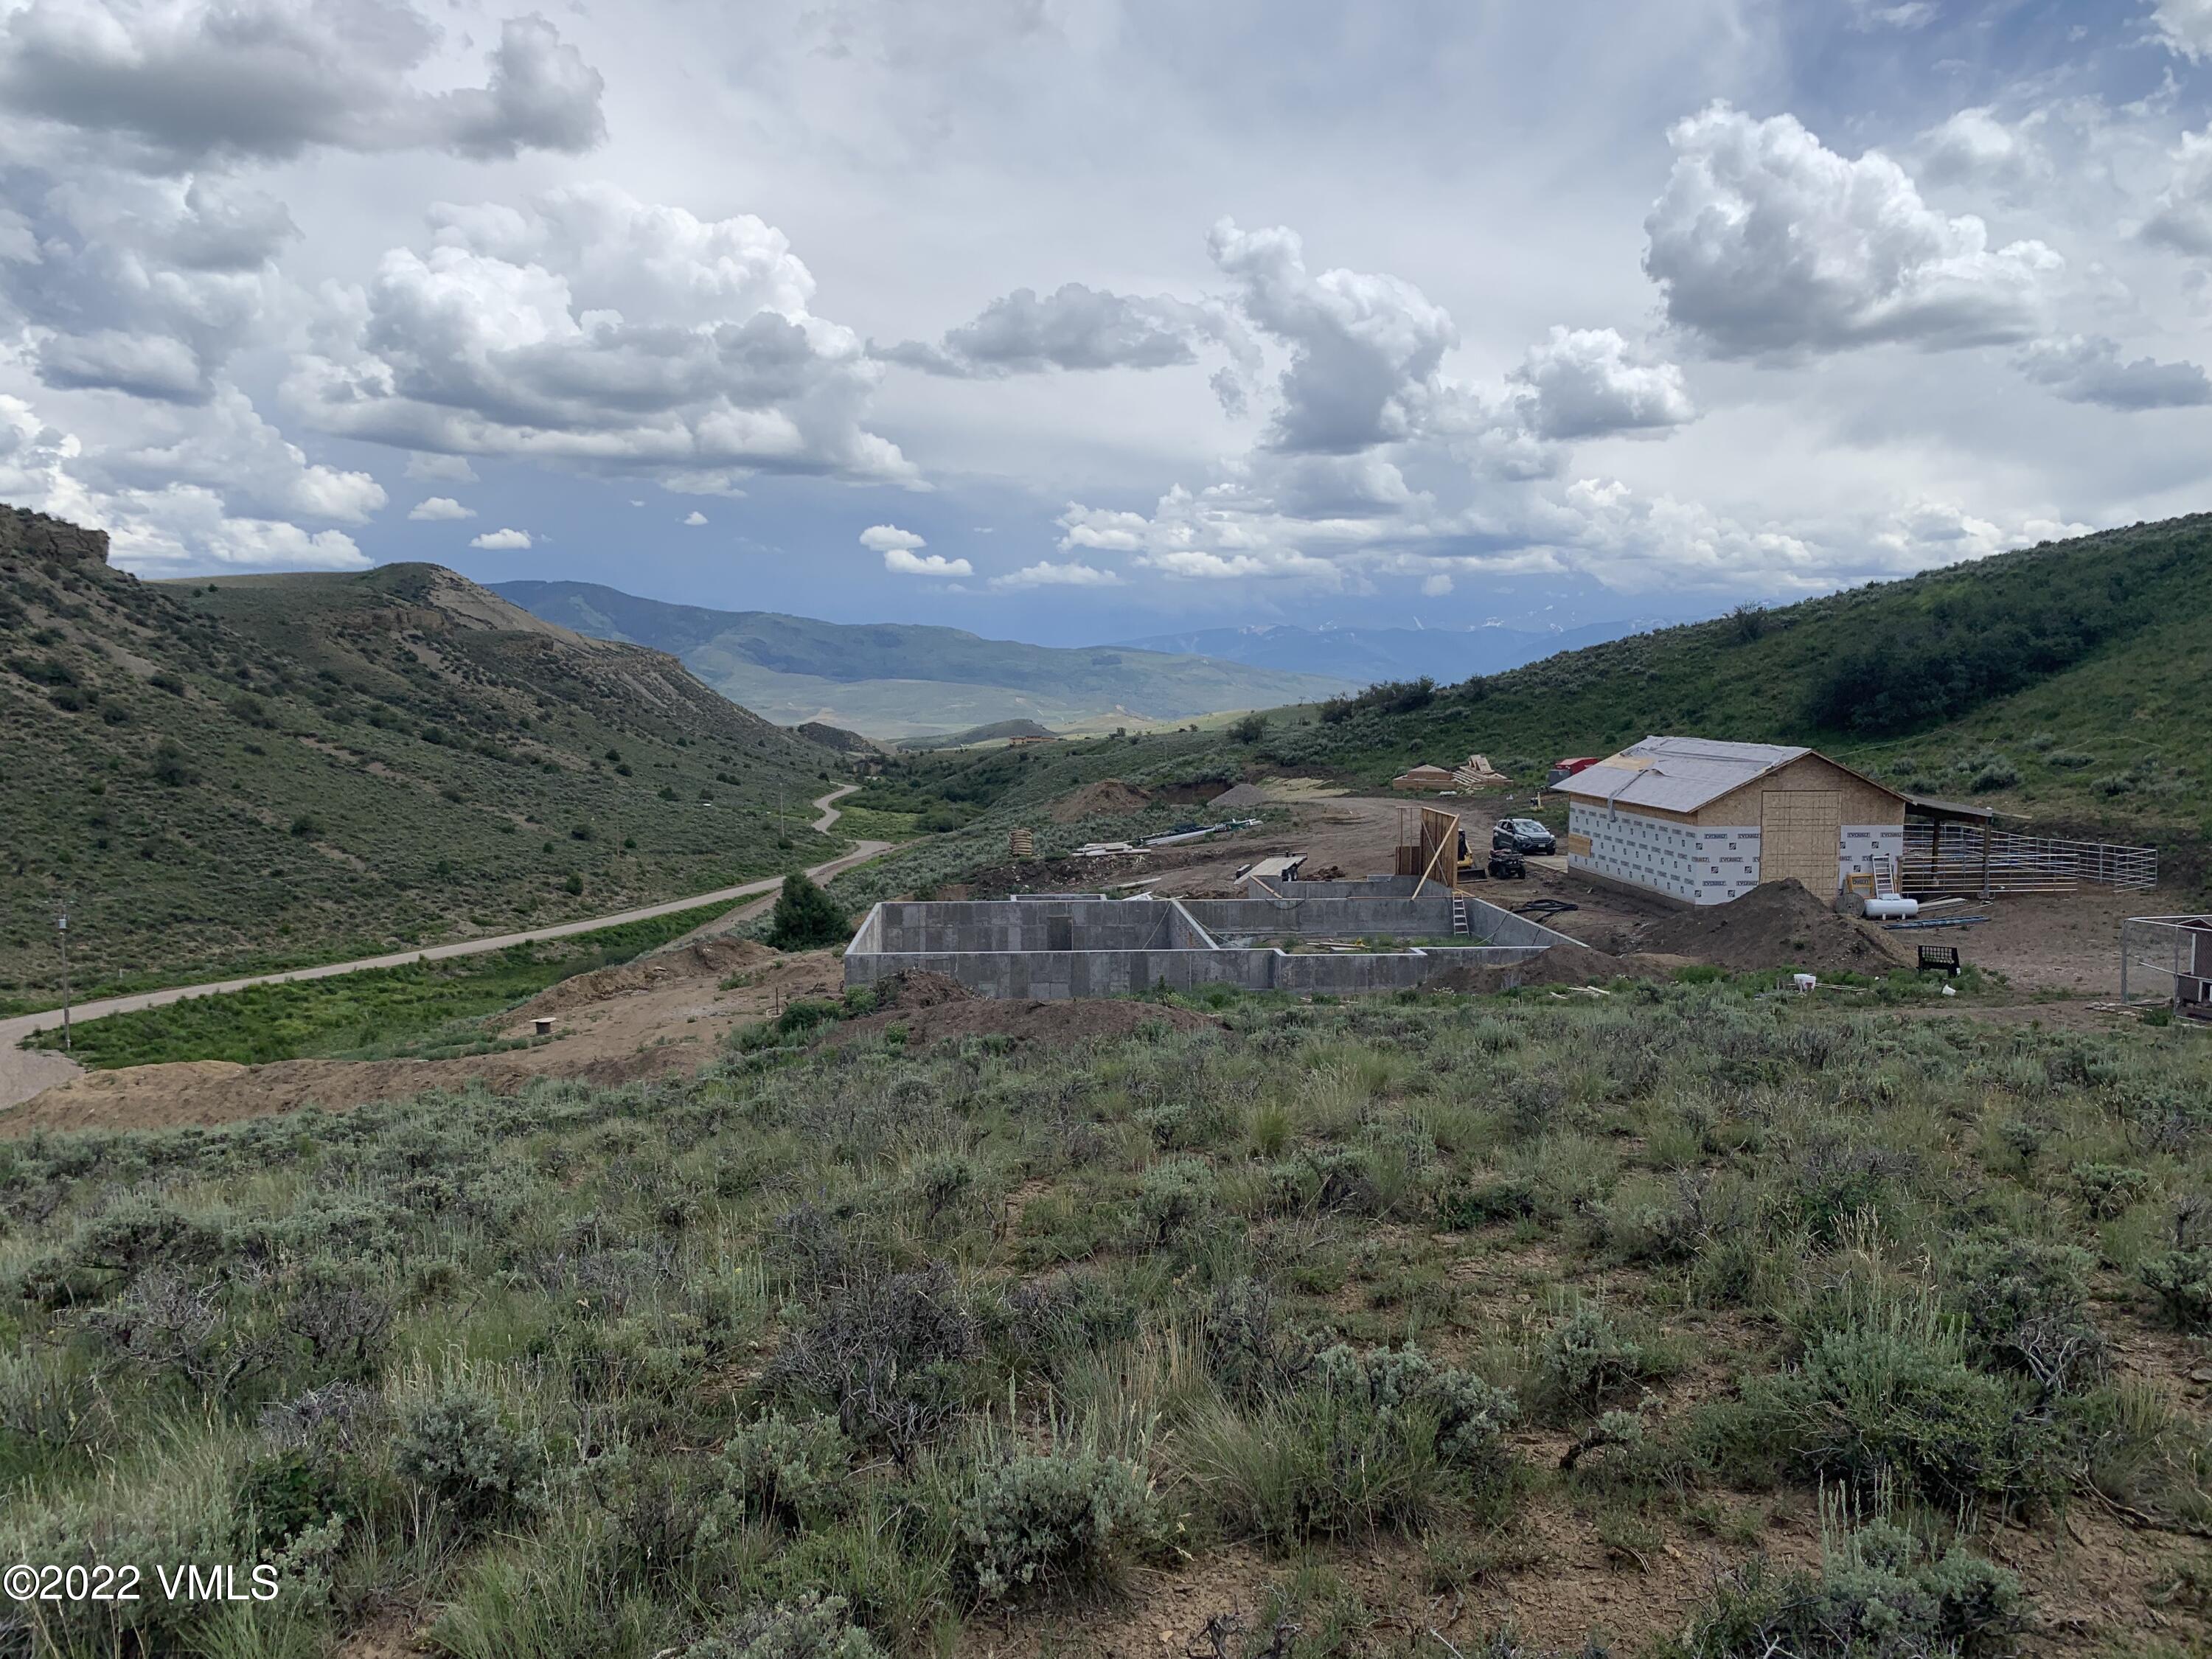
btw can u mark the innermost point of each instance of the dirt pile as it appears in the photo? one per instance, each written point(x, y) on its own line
point(1778, 925)
point(1060, 1023)
point(1244, 794)
point(1108, 798)
point(708, 958)
point(918, 987)
point(1561, 965)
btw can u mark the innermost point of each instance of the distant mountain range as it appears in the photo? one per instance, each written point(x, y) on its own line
point(1364, 656)
point(891, 680)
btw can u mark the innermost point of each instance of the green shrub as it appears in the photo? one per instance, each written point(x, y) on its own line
point(809, 1628)
point(1893, 1400)
point(2026, 1309)
point(805, 917)
point(1881, 1592)
point(1034, 1523)
point(1381, 1440)
point(796, 1470)
point(1172, 1195)
point(2106, 1190)
point(2181, 1281)
point(1586, 1362)
point(458, 1448)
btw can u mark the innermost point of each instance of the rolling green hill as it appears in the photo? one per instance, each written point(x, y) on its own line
point(261, 771)
point(894, 680)
point(2068, 682)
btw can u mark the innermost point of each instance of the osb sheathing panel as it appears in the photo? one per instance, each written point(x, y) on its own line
point(1863, 802)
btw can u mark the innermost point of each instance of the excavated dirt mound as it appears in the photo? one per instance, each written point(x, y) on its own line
point(1060, 1021)
point(1778, 925)
point(708, 958)
point(1561, 965)
point(1244, 794)
point(918, 987)
point(1108, 798)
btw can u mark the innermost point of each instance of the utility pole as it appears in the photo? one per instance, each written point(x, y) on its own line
point(60, 927)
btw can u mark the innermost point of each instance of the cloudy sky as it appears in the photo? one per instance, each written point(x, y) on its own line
point(1081, 320)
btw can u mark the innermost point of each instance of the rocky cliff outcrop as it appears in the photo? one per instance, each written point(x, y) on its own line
point(23, 531)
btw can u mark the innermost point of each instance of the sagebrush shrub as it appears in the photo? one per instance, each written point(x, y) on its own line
point(2026, 1309)
point(459, 1448)
point(2181, 1281)
point(1586, 1362)
point(811, 1627)
point(1894, 1402)
point(1881, 1592)
point(793, 1469)
point(1041, 1523)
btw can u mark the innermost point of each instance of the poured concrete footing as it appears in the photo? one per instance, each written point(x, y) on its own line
point(1087, 945)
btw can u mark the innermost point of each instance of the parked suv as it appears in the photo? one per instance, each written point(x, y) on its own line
point(1522, 835)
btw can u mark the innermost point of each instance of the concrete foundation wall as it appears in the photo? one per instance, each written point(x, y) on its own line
point(1079, 947)
point(1365, 887)
point(1028, 925)
point(1049, 975)
point(1429, 917)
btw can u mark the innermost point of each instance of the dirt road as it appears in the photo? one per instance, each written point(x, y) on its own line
point(26, 1073)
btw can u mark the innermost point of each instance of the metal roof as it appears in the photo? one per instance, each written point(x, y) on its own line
point(1928, 806)
point(1677, 774)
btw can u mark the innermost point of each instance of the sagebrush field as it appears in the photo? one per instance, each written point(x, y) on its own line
point(1685, 1322)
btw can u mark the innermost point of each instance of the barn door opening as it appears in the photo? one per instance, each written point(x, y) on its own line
point(1801, 834)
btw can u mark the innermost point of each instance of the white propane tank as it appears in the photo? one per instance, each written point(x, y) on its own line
point(1890, 908)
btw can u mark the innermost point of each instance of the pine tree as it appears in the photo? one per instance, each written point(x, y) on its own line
point(807, 917)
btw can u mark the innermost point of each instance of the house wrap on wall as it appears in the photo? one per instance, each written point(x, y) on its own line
point(1703, 822)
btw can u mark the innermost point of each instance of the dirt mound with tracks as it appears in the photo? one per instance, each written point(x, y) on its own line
point(1563, 964)
point(708, 958)
point(1109, 797)
point(1778, 925)
point(933, 1008)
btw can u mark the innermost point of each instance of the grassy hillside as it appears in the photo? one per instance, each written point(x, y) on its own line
point(258, 771)
point(2069, 682)
point(897, 680)
point(1698, 1326)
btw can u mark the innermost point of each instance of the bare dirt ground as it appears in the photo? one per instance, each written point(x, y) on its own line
point(668, 1012)
point(647, 1019)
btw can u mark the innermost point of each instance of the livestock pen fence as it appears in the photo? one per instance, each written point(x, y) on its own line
point(1959, 858)
point(2165, 959)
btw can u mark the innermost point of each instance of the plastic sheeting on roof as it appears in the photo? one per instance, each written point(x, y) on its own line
point(1677, 774)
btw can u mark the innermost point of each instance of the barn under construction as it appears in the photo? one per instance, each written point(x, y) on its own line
point(1701, 822)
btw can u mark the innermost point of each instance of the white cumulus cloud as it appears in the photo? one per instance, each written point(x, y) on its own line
point(901, 562)
point(1766, 242)
point(2185, 27)
point(1075, 327)
point(185, 82)
point(1587, 382)
point(1045, 573)
point(695, 518)
point(438, 509)
point(593, 329)
point(2093, 370)
point(886, 538)
point(502, 541)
